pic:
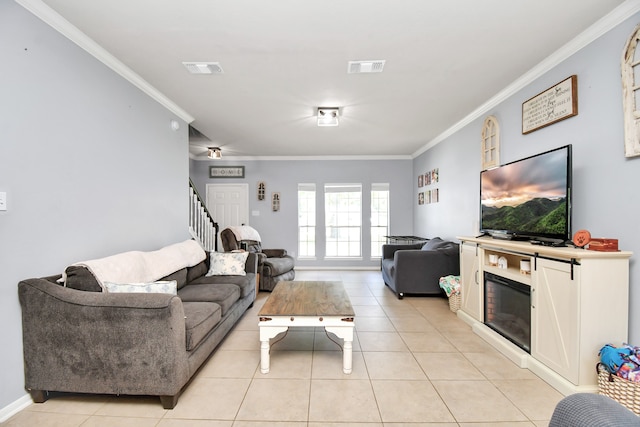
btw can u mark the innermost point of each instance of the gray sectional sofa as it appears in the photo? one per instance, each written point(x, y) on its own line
point(79, 339)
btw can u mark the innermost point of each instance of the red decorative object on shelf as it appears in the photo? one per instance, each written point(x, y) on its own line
point(581, 238)
point(603, 245)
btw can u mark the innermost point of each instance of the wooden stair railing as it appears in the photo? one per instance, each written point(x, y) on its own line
point(202, 227)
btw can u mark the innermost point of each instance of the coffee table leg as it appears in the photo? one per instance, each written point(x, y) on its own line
point(346, 333)
point(266, 333)
point(347, 357)
point(264, 357)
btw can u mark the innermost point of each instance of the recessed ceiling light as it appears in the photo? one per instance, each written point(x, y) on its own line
point(203, 67)
point(371, 66)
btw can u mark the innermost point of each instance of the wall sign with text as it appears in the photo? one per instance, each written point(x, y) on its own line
point(557, 103)
point(226, 171)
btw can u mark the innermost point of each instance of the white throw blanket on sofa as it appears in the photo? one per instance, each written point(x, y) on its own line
point(144, 267)
point(245, 232)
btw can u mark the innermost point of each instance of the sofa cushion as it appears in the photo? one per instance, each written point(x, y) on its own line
point(278, 266)
point(82, 279)
point(200, 319)
point(225, 263)
point(245, 283)
point(197, 271)
point(224, 294)
point(433, 244)
point(179, 276)
point(160, 287)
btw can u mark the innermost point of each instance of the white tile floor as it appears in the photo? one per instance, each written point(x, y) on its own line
point(414, 364)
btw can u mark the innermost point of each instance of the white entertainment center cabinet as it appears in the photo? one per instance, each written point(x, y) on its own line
point(579, 302)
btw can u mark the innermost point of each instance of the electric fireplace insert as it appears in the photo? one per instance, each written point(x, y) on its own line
point(507, 309)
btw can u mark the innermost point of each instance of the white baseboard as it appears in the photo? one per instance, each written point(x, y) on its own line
point(510, 351)
point(13, 408)
point(524, 359)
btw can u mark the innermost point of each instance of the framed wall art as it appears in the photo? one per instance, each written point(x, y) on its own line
point(430, 178)
point(226, 171)
point(557, 103)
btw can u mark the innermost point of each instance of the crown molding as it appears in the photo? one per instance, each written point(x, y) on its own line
point(64, 27)
point(595, 31)
point(300, 158)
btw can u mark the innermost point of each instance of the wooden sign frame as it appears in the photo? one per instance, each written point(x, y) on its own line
point(557, 103)
point(226, 171)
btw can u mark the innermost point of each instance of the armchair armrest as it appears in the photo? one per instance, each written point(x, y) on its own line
point(253, 261)
point(275, 253)
point(388, 251)
point(90, 342)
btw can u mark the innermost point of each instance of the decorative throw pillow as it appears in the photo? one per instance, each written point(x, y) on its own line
point(432, 244)
point(160, 287)
point(227, 264)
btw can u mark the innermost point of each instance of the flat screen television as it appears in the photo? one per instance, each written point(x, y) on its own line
point(529, 199)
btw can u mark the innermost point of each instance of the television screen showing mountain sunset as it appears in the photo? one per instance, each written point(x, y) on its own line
point(536, 178)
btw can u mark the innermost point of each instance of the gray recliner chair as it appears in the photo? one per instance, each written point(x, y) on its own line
point(274, 265)
point(417, 268)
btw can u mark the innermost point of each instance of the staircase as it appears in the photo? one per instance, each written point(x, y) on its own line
point(202, 227)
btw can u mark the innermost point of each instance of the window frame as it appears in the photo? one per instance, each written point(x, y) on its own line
point(311, 229)
point(490, 143)
point(631, 93)
point(377, 243)
point(344, 226)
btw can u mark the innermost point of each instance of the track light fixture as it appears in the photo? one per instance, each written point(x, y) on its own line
point(328, 116)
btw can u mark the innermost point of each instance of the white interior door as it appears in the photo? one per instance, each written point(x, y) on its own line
point(228, 204)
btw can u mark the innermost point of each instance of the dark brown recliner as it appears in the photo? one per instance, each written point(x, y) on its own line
point(274, 265)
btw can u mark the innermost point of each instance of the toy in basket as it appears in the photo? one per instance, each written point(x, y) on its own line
point(619, 375)
point(451, 286)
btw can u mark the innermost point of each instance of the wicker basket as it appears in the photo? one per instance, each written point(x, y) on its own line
point(454, 302)
point(626, 392)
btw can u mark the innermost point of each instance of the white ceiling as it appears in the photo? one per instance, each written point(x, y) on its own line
point(284, 58)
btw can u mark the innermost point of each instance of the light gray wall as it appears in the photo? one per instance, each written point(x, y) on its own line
point(89, 164)
point(605, 183)
point(279, 229)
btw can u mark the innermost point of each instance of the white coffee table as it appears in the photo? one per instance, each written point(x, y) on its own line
point(307, 303)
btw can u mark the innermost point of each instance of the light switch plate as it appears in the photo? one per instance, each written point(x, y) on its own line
point(3, 201)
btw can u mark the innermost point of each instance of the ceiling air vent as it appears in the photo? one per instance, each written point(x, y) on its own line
point(203, 67)
point(358, 67)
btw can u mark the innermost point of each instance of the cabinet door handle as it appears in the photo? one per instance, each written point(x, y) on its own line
point(476, 277)
point(532, 297)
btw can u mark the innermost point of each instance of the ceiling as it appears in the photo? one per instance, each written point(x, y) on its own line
point(284, 58)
